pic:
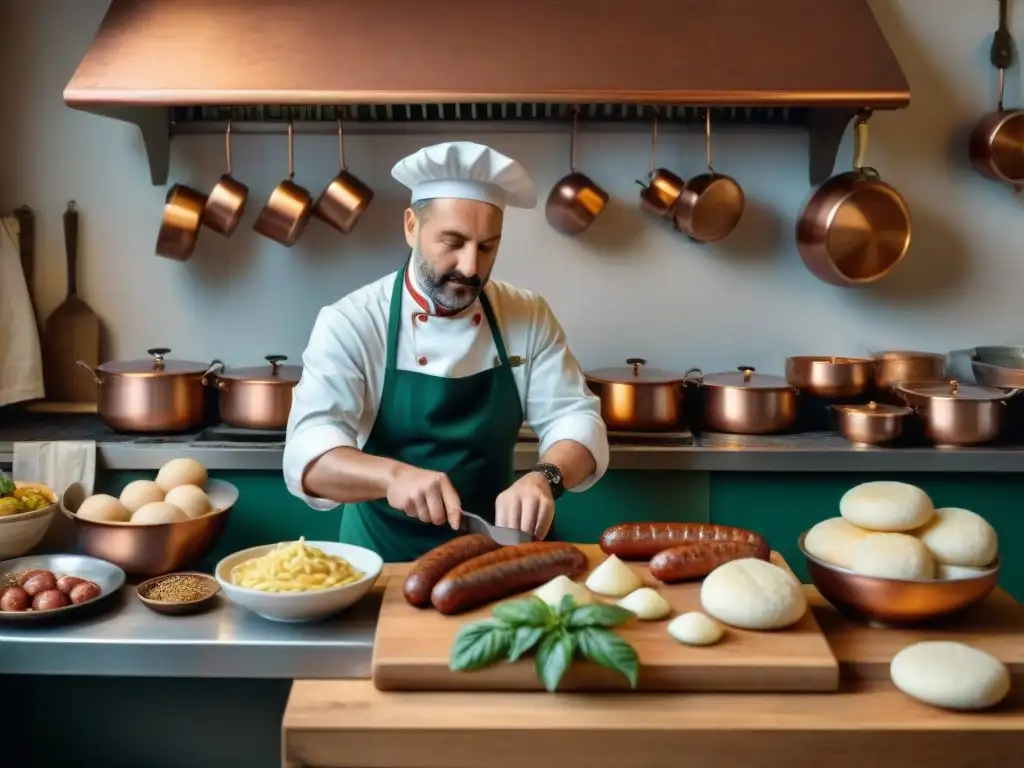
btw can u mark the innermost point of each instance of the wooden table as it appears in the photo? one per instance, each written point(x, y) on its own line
point(868, 724)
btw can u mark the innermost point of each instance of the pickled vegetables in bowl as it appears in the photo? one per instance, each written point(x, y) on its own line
point(15, 500)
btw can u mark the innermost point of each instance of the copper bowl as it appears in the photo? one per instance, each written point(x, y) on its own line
point(152, 550)
point(896, 601)
point(179, 608)
point(830, 376)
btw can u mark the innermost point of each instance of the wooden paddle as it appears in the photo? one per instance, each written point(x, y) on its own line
point(72, 333)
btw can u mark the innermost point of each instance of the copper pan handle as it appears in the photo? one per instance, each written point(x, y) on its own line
point(227, 146)
point(707, 139)
point(92, 371)
point(341, 144)
point(861, 135)
point(216, 366)
point(1001, 53)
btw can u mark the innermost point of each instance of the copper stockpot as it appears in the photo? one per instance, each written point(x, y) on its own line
point(346, 198)
point(997, 141)
point(871, 424)
point(180, 222)
point(896, 366)
point(258, 397)
point(896, 601)
point(711, 204)
point(152, 395)
point(226, 201)
point(640, 399)
point(575, 200)
point(743, 402)
point(955, 414)
point(287, 212)
point(854, 228)
point(830, 377)
point(663, 188)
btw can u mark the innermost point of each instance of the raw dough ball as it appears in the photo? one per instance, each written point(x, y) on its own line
point(950, 675)
point(190, 499)
point(181, 472)
point(893, 556)
point(102, 508)
point(953, 572)
point(885, 505)
point(159, 512)
point(960, 537)
point(695, 628)
point(139, 493)
point(753, 594)
point(833, 541)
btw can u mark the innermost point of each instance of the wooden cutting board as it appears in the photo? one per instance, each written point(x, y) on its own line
point(72, 333)
point(412, 646)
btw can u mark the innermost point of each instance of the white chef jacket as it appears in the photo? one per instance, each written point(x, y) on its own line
point(335, 402)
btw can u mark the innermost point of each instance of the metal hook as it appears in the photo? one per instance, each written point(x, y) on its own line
point(227, 145)
point(291, 150)
point(707, 138)
point(341, 144)
point(572, 141)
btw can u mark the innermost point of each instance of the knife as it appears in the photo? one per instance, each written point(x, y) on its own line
point(471, 523)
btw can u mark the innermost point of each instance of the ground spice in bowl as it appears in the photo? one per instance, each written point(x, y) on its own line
point(178, 588)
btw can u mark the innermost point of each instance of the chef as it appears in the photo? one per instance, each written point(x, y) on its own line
point(415, 387)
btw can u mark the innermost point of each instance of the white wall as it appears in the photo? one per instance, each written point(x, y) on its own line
point(628, 288)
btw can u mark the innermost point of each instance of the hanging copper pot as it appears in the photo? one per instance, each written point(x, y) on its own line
point(575, 200)
point(226, 202)
point(346, 198)
point(663, 188)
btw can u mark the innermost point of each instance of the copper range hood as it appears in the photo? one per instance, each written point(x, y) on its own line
point(173, 66)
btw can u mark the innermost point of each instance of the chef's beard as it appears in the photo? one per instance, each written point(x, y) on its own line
point(451, 290)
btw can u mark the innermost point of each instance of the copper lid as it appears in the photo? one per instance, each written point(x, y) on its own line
point(815, 359)
point(876, 409)
point(902, 354)
point(744, 377)
point(635, 372)
point(953, 390)
point(157, 365)
point(273, 373)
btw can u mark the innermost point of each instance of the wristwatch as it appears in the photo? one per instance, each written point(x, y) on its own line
point(553, 475)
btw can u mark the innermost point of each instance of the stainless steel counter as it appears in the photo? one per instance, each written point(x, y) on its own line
point(805, 452)
point(126, 639)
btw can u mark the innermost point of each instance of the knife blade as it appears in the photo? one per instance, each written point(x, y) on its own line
point(470, 523)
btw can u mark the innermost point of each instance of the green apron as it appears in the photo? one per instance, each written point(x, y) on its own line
point(465, 427)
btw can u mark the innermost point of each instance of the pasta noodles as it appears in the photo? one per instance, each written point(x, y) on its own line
point(294, 567)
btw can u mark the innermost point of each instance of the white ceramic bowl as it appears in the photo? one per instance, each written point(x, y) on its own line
point(22, 532)
point(302, 606)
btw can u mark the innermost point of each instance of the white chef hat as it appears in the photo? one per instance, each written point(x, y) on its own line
point(467, 171)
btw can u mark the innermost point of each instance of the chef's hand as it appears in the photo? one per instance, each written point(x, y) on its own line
point(527, 504)
point(425, 495)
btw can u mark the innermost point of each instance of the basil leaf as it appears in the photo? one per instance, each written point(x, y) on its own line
point(554, 657)
point(566, 606)
point(529, 612)
point(606, 648)
point(598, 615)
point(524, 640)
point(479, 645)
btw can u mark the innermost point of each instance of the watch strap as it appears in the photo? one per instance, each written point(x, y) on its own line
point(553, 475)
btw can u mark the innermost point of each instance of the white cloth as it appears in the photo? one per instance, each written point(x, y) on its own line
point(21, 364)
point(467, 171)
point(57, 464)
point(336, 401)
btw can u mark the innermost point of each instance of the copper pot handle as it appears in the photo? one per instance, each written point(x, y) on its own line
point(215, 365)
point(693, 376)
point(341, 145)
point(861, 134)
point(572, 141)
point(654, 149)
point(227, 146)
point(92, 371)
point(707, 139)
point(1001, 53)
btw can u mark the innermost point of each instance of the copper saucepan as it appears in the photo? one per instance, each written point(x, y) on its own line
point(663, 188)
point(575, 200)
point(287, 212)
point(743, 402)
point(997, 141)
point(226, 201)
point(345, 198)
point(855, 228)
point(180, 222)
point(957, 414)
point(711, 204)
point(896, 366)
point(830, 376)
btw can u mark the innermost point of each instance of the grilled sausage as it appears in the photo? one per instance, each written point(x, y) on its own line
point(642, 541)
point(431, 567)
point(505, 572)
point(694, 561)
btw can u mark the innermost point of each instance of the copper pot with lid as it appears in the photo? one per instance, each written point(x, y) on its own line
point(155, 394)
point(872, 423)
point(955, 414)
point(636, 398)
point(745, 402)
point(259, 397)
